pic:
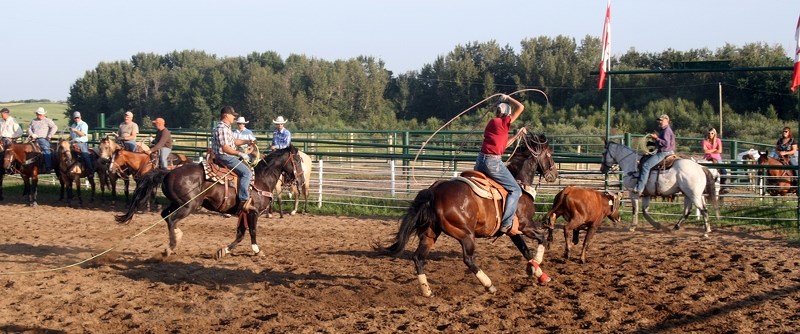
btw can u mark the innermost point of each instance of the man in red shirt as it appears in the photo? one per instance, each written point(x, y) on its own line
point(490, 159)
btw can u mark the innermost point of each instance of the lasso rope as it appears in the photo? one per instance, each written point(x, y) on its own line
point(414, 162)
point(118, 244)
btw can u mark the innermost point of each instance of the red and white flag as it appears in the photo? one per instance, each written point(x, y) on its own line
point(605, 62)
point(796, 76)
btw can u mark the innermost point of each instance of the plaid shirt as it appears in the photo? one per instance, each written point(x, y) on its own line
point(221, 136)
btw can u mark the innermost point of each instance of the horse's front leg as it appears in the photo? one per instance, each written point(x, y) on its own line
point(646, 213)
point(34, 185)
point(635, 211)
point(240, 229)
point(532, 267)
point(78, 191)
point(252, 228)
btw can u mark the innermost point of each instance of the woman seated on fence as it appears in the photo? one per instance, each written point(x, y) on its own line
point(786, 148)
point(712, 151)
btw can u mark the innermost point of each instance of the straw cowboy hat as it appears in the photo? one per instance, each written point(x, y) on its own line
point(279, 120)
point(41, 111)
point(241, 120)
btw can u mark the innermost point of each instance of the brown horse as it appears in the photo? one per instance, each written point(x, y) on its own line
point(187, 188)
point(453, 207)
point(71, 169)
point(779, 181)
point(25, 160)
point(294, 189)
point(107, 147)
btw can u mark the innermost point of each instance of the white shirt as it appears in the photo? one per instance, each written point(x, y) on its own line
point(9, 128)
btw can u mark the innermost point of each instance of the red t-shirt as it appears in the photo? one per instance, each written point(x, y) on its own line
point(495, 136)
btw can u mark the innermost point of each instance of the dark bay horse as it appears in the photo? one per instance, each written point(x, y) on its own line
point(25, 160)
point(779, 181)
point(453, 208)
point(71, 169)
point(187, 189)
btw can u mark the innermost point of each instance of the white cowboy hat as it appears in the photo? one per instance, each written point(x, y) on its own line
point(40, 111)
point(241, 120)
point(279, 120)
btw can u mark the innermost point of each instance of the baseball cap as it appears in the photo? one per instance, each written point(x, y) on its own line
point(663, 116)
point(76, 114)
point(128, 113)
point(228, 110)
point(159, 120)
point(40, 111)
point(5, 110)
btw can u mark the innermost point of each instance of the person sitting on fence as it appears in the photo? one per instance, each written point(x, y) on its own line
point(786, 148)
point(712, 151)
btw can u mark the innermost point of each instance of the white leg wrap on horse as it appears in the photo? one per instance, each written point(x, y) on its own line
point(539, 254)
point(537, 271)
point(483, 278)
point(178, 234)
point(423, 285)
point(255, 248)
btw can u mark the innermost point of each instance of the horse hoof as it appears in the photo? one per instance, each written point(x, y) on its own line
point(491, 289)
point(33, 204)
point(544, 279)
point(269, 215)
point(260, 254)
point(167, 252)
point(705, 235)
point(631, 229)
point(221, 253)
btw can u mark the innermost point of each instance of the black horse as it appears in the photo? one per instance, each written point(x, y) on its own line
point(187, 188)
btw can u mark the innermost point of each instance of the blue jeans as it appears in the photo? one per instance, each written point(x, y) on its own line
point(87, 160)
point(47, 155)
point(129, 145)
point(494, 167)
point(241, 169)
point(644, 173)
point(163, 154)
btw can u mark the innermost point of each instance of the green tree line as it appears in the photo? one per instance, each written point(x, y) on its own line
point(188, 87)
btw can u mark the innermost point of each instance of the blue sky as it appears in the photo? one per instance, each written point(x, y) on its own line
point(47, 45)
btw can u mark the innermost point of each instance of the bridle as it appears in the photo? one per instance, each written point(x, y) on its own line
point(537, 152)
point(606, 153)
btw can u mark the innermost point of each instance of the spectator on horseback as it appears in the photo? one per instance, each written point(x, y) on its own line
point(786, 148)
point(665, 146)
point(128, 130)
point(224, 146)
point(9, 128)
point(79, 134)
point(163, 142)
point(41, 130)
point(243, 133)
point(281, 137)
point(490, 158)
point(712, 151)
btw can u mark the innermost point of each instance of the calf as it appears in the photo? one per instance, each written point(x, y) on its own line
point(582, 208)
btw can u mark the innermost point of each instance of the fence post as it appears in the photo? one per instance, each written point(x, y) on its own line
point(392, 174)
point(319, 180)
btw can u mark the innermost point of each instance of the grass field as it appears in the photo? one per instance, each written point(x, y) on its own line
point(25, 112)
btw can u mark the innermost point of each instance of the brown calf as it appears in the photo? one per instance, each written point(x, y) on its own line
point(582, 209)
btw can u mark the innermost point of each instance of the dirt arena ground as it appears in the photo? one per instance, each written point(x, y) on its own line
point(319, 274)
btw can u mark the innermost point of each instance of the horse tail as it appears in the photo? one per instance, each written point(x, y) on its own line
point(144, 187)
point(711, 189)
point(420, 216)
